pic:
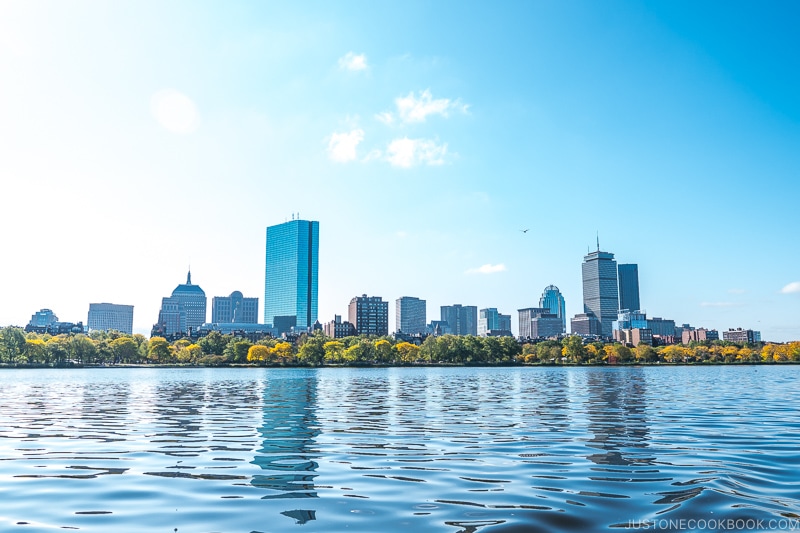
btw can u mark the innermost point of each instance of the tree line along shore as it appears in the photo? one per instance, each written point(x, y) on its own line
point(20, 349)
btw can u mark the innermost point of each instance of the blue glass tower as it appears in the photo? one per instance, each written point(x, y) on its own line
point(628, 275)
point(290, 280)
point(553, 300)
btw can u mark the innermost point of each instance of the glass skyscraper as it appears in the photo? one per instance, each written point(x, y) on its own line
point(553, 300)
point(628, 286)
point(290, 280)
point(600, 290)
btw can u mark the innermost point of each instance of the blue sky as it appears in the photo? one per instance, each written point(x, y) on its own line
point(137, 138)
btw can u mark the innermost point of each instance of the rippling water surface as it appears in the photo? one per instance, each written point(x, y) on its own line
point(402, 449)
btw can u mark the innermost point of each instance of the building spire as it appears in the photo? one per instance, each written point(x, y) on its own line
point(189, 277)
point(598, 241)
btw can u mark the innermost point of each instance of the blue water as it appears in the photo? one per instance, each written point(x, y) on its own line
point(403, 449)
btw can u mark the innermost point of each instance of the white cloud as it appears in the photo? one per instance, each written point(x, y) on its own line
point(736, 291)
point(401, 234)
point(416, 109)
point(407, 152)
point(386, 117)
point(342, 146)
point(488, 268)
point(793, 287)
point(175, 111)
point(351, 61)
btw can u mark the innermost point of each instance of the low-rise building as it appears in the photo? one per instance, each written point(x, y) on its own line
point(336, 329)
point(740, 335)
point(585, 324)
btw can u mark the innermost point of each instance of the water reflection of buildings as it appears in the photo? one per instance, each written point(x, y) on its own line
point(288, 432)
point(617, 417)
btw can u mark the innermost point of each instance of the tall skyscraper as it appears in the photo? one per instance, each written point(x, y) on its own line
point(184, 311)
point(629, 286)
point(290, 279)
point(105, 317)
point(369, 315)
point(410, 315)
point(462, 320)
point(600, 296)
point(234, 309)
point(553, 300)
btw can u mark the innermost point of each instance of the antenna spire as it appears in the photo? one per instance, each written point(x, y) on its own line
point(598, 241)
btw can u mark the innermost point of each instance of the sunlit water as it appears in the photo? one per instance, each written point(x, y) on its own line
point(403, 449)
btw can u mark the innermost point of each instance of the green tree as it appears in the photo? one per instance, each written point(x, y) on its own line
point(573, 349)
point(384, 351)
point(214, 343)
point(81, 348)
point(35, 351)
point(12, 345)
point(124, 350)
point(312, 349)
point(334, 351)
point(159, 350)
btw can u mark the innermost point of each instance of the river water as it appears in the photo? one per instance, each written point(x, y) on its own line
point(457, 450)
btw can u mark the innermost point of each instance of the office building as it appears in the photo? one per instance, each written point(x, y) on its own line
point(739, 335)
point(461, 319)
point(291, 275)
point(628, 275)
point(662, 327)
point(106, 317)
point(600, 296)
point(410, 315)
point(41, 319)
point(183, 312)
point(553, 300)
point(627, 319)
point(369, 315)
point(585, 324)
point(634, 336)
point(539, 322)
point(234, 309)
point(491, 323)
point(336, 329)
point(698, 335)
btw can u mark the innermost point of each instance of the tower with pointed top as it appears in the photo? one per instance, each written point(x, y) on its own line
point(183, 312)
point(600, 289)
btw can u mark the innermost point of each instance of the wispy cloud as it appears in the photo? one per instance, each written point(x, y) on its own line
point(342, 146)
point(720, 304)
point(352, 61)
point(736, 291)
point(175, 111)
point(488, 268)
point(417, 108)
point(401, 234)
point(793, 287)
point(406, 153)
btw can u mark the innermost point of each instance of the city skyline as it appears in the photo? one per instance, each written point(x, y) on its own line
point(421, 148)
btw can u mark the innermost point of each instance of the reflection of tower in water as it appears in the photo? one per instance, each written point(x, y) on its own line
point(288, 431)
point(617, 417)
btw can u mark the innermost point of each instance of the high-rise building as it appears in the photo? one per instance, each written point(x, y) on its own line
point(461, 319)
point(184, 311)
point(553, 300)
point(369, 315)
point(600, 296)
point(290, 279)
point(493, 323)
point(628, 275)
point(410, 315)
point(105, 317)
point(234, 309)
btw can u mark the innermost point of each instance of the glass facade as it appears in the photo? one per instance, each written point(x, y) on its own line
point(553, 300)
point(600, 290)
point(291, 273)
point(629, 287)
